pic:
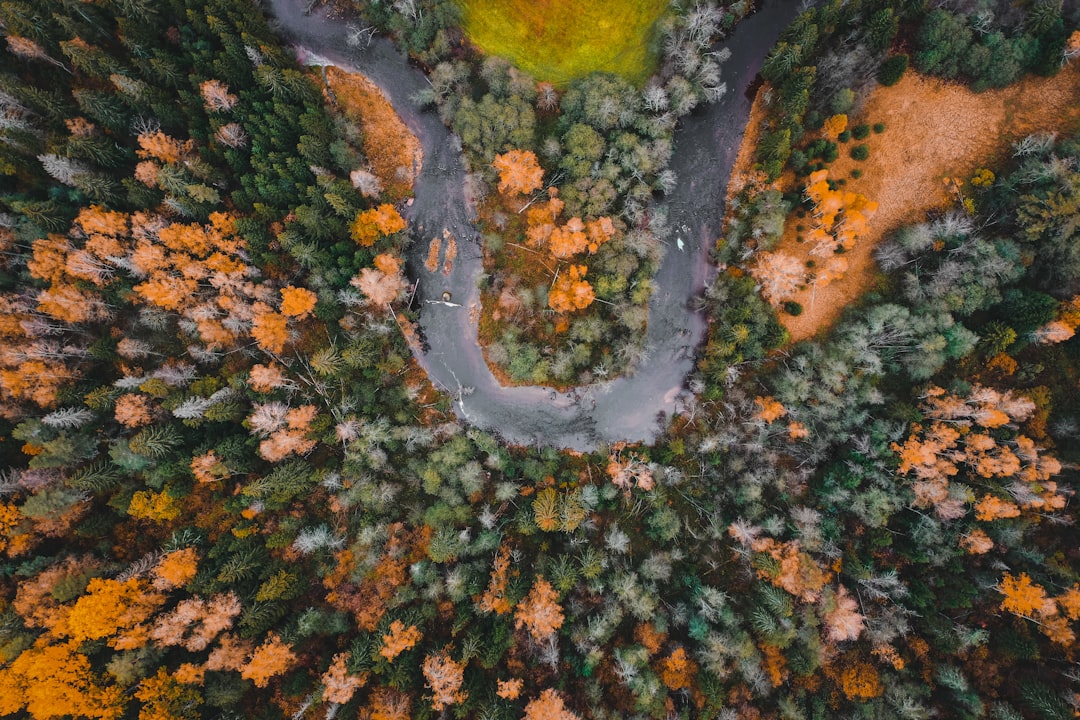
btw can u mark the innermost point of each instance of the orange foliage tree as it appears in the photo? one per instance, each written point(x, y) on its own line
point(111, 607)
point(216, 96)
point(389, 704)
point(269, 329)
point(368, 599)
point(444, 678)
point(519, 172)
point(548, 706)
point(161, 147)
point(1023, 597)
point(954, 444)
point(677, 670)
point(399, 639)
point(571, 291)
point(791, 568)
point(539, 611)
point(270, 659)
point(571, 238)
point(843, 621)
point(860, 681)
point(285, 429)
point(297, 302)
point(10, 517)
point(630, 472)
point(133, 410)
point(52, 681)
point(1062, 328)
point(193, 269)
point(369, 225)
point(769, 409)
point(494, 598)
point(780, 275)
point(382, 284)
point(209, 468)
point(338, 685)
point(509, 689)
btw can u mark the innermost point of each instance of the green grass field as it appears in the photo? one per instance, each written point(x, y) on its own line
point(560, 40)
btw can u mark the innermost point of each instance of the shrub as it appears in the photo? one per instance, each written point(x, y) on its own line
point(892, 70)
point(842, 101)
point(860, 152)
point(856, 173)
point(793, 308)
point(844, 136)
point(879, 128)
point(859, 132)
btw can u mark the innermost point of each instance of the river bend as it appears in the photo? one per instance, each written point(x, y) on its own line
point(629, 408)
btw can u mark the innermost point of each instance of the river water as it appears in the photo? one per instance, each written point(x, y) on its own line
point(630, 408)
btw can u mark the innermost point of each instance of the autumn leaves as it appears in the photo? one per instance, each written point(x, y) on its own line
point(838, 219)
point(55, 678)
point(520, 174)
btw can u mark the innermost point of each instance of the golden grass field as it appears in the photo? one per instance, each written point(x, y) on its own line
point(561, 40)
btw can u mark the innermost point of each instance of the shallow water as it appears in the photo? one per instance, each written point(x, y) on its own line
point(629, 408)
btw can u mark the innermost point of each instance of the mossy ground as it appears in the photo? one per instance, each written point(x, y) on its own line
point(560, 40)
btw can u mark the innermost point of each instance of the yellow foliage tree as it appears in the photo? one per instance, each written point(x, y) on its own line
point(269, 329)
point(156, 506)
point(834, 126)
point(176, 568)
point(165, 698)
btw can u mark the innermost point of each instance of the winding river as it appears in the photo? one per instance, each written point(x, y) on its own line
point(629, 408)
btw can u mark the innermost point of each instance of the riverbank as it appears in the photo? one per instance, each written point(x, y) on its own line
point(630, 408)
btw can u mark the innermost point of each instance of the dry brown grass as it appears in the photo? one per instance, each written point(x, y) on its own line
point(393, 151)
point(934, 130)
point(742, 172)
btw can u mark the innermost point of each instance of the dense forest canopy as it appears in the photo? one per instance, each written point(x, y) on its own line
point(232, 492)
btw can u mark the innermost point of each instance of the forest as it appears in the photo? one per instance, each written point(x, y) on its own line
point(229, 488)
